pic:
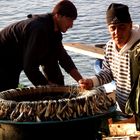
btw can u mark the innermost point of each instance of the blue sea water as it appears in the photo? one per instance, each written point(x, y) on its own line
point(89, 28)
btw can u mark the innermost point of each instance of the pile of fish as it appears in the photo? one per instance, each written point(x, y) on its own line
point(16, 106)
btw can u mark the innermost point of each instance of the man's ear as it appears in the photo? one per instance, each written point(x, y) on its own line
point(58, 15)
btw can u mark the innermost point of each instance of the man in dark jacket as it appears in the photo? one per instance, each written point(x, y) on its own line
point(34, 42)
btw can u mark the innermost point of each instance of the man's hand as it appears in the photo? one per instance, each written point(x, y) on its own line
point(86, 83)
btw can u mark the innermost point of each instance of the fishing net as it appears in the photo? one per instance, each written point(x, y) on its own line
point(46, 103)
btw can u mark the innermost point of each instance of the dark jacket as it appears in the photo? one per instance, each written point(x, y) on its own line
point(133, 103)
point(29, 44)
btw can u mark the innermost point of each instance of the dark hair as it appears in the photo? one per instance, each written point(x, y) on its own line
point(65, 8)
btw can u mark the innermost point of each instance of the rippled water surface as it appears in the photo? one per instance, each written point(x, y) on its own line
point(89, 28)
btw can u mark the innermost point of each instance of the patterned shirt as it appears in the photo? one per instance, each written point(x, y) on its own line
point(119, 66)
point(116, 66)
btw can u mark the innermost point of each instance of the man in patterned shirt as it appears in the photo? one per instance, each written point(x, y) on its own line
point(118, 62)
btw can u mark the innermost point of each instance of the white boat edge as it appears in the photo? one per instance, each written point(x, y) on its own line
point(93, 51)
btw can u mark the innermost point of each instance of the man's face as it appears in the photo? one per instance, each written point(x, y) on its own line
point(120, 33)
point(64, 23)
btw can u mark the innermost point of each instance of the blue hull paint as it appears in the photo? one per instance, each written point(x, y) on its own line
point(110, 86)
